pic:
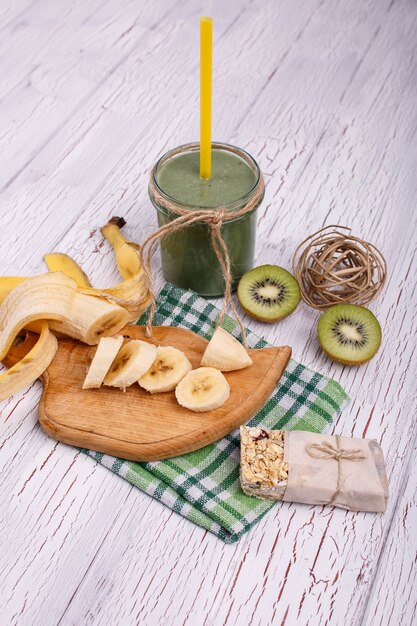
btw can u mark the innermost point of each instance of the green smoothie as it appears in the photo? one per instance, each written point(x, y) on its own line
point(231, 179)
point(188, 258)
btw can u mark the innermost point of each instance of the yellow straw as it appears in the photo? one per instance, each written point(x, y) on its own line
point(206, 54)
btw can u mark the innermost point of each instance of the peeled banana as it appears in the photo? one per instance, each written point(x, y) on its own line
point(91, 318)
point(59, 262)
point(170, 366)
point(26, 371)
point(203, 389)
point(132, 362)
point(54, 297)
point(104, 356)
point(127, 257)
point(225, 353)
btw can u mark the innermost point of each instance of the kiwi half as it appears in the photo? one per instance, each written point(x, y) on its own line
point(349, 334)
point(268, 293)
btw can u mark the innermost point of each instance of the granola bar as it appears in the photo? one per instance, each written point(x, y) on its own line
point(312, 468)
point(263, 471)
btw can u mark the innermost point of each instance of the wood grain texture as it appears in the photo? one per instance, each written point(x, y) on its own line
point(135, 424)
point(323, 95)
point(397, 568)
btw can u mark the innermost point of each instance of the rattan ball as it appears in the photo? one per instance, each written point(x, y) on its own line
point(333, 267)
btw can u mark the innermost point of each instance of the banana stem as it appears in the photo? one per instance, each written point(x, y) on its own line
point(111, 231)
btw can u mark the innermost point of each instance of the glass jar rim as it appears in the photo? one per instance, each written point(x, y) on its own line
point(216, 145)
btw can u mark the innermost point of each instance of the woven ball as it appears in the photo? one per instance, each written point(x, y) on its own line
point(333, 267)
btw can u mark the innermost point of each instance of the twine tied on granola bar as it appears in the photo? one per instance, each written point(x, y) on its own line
point(214, 220)
point(325, 450)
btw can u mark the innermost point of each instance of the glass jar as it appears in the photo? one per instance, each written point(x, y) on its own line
point(188, 258)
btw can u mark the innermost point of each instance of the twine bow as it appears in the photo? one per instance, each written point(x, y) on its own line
point(214, 219)
point(325, 450)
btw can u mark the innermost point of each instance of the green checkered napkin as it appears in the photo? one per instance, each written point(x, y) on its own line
point(203, 486)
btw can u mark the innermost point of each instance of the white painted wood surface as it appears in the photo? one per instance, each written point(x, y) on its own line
point(323, 94)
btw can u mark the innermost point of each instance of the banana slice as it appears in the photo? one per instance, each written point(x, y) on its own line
point(169, 367)
point(131, 363)
point(59, 262)
point(26, 371)
point(203, 389)
point(225, 353)
point(104, 356)
point(91, 318)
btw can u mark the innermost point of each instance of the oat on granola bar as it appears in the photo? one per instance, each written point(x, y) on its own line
point(263, 471)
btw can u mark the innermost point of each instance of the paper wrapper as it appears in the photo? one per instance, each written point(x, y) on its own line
point(356, 484)
point(314, 469)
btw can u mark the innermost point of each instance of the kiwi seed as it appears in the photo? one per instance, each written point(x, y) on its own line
point(349, 334)
point(268, 293)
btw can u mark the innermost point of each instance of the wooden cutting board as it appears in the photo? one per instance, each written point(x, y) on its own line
point(135, 424)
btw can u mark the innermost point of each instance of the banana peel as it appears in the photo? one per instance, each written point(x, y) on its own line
point(28, 303)
point(26, 371)
point(59, 262)
point(127, 257)
point(132, 295)
point(55, 262)
point(8, 283)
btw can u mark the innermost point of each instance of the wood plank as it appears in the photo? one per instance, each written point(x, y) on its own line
point(392, 596)
point(12, 12)
point(45, 79)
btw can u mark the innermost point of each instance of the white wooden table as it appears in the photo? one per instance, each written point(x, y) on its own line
point(323, 94)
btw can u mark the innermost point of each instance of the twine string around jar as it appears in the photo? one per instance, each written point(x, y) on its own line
point(214, 219)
